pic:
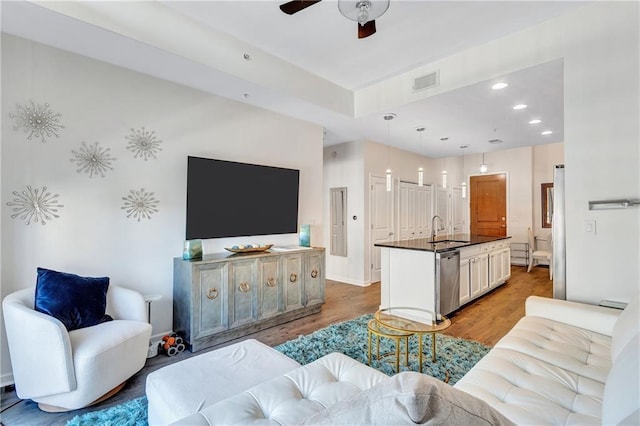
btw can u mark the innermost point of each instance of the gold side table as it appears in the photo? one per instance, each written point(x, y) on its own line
point(375, 328)
point(395, 319)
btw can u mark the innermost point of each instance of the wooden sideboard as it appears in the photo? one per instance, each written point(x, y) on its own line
point(225, 296)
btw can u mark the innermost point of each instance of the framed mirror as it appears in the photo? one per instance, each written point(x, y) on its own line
point(546, 198)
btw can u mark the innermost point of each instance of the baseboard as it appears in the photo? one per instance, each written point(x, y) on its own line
point(6, 379)
point(159, 336)
point(348, 281)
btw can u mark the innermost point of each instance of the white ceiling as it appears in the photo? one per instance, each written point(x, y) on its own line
point(323, 42)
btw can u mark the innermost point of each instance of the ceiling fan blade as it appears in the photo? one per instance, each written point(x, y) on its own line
point(369, 28)
point(295, 6)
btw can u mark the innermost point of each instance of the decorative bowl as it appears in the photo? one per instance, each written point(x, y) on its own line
point(249, 249)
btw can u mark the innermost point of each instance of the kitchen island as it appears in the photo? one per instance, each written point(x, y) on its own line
point(439, 275)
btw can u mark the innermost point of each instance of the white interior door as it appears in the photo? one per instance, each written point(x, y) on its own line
point(381, 221)
point(443, 210)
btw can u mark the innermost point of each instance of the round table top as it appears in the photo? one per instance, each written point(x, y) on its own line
point(396, 318)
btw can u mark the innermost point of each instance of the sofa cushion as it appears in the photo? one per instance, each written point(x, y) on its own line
point(626, 327)
point(410, 398)
point(181, 389)
point(574, 349)
point(75, 301)
point(528, 390)
point(292, 397)
point(622, 391)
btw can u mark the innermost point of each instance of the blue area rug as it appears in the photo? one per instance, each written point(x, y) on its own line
point(454, 358)
point(131, 413)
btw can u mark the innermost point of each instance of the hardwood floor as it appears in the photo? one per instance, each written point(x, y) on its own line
point(485, 320)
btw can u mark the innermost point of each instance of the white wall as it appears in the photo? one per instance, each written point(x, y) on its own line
point(100, 102)
point(343, 167)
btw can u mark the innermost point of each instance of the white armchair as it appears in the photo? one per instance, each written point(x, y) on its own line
point(63, 370)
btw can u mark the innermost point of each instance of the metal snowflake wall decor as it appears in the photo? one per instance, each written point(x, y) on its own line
point(143, 143)
point(140, 204)
point(37, 120)
point(36, 205)
point(92, 159)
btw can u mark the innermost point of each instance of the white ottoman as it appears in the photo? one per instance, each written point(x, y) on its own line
point(183, 388)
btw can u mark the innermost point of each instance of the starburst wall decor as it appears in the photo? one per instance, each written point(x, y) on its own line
point(37, 120)
point(143, 143)
point(140, 204)
point(35, 205)
point(92, 159)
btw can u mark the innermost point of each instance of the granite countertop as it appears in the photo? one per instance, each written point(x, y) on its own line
point(440, 244)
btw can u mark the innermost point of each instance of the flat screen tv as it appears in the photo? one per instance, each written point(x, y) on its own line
point(230, 199)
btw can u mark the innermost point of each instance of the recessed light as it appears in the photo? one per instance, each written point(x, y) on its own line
point(495, 141)
point(535, 121)
point(499, 86)
point(464, 146)
point(246, 57)
point(444, 139)
point(546, 132)
point(520, 106)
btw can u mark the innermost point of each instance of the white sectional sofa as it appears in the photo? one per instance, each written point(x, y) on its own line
point(563, 363)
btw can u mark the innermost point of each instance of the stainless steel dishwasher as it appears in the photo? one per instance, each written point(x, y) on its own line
point(447, 282)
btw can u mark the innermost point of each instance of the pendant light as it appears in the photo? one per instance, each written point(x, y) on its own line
point(483, 167)
point(420, 170)
point(388, 118)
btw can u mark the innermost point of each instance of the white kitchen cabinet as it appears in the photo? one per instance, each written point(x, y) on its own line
point(465, 283)
point(482, 268)
point(499, 262)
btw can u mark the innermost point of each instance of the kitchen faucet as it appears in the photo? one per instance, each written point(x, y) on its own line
point(433, 227)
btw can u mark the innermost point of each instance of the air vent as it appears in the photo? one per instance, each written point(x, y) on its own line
point(495, 141)
point(426, 81)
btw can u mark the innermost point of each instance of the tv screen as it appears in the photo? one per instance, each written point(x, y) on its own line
point(229, 199)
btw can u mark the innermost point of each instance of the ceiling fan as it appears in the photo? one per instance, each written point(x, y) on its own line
point(364, 12)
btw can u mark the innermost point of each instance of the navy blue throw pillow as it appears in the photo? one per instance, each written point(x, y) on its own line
point(76, 301)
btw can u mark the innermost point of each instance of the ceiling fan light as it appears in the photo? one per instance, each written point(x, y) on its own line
point(363, 11)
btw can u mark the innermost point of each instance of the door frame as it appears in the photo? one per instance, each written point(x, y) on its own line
point(391, 221)
point(507, 190)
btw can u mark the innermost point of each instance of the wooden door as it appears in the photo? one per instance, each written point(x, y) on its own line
point(269, 287)
point(243, 294)
point(292, 279)
point(488, 205)
point(211, 313)
point(314, 278)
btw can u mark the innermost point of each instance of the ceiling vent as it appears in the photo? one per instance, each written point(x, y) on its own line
point(426, 81)
point(495, 141)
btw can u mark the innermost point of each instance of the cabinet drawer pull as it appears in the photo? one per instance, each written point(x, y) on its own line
point(293, 278)
point(212, 293)
point(271, 282)
point(244, 287)
point(314, 273)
